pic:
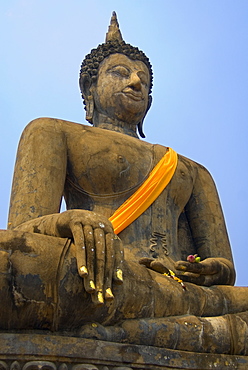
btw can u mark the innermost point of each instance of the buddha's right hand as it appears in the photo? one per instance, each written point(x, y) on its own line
point(99, 251)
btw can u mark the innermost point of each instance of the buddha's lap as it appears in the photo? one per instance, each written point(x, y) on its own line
point(41, 271)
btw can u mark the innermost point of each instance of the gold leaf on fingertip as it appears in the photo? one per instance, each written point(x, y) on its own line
point(119, 274)
point(100, 297)
point(83, 270)
point(108, 294)
point(92, 285)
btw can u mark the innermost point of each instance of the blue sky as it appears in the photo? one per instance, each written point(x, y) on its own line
point(198, 49)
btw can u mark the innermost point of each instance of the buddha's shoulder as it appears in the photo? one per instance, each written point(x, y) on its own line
point(55, 124)
point(184, 164)
point(73, 129)
point(194, 167)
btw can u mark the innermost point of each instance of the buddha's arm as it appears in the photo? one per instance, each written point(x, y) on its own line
point(209, 234)
point(40, 171)
point(37, 190)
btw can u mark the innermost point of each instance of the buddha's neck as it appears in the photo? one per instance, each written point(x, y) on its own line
point(108, 123)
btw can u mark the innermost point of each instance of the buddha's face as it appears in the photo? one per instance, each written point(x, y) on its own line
point(122, 87)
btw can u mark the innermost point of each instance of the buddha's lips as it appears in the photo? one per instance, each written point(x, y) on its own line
point(135, 95)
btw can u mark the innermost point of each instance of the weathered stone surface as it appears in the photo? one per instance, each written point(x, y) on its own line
point(69, 273)
point(46, 351)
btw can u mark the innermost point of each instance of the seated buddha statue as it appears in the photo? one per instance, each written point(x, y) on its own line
point(122, 262)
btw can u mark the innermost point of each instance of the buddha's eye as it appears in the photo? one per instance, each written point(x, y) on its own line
point(143, 78)
point(119, 71)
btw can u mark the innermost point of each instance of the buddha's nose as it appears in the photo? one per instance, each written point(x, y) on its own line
point(135, 82)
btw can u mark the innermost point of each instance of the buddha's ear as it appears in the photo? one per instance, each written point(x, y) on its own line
point(85, 84)
point(140, 124)
point(149, 103)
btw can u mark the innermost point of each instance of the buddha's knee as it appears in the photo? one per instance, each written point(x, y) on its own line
point(6, 292)
point(30, 266)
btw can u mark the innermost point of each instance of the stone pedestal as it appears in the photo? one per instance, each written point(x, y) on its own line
point(39, 351)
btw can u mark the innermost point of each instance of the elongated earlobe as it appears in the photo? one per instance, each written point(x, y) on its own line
point(85, 83)
point(89, 106)
point(140, 129)
point(140, 124)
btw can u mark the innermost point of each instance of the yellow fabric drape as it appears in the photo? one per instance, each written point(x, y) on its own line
point(151, 188)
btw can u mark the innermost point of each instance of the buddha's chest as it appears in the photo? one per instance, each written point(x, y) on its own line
point(109, 164)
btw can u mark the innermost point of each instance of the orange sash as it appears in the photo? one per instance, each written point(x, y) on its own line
point(151, 188)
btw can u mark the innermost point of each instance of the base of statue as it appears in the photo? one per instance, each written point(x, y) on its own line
point(39, 351)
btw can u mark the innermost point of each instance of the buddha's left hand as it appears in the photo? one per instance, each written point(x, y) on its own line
point(211, 271)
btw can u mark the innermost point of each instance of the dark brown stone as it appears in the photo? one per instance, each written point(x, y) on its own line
point(75, 296)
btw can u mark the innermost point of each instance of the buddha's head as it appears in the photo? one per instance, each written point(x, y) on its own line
point(116, 81)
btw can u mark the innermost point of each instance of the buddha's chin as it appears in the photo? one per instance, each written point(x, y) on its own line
point(129, 119)
point(130, 110)
point(124, 107)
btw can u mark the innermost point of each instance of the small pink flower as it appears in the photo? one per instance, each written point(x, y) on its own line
point(191, 258)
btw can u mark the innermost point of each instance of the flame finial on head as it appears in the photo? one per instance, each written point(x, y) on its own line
point(114, 33)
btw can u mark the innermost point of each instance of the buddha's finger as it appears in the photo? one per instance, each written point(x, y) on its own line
point(99, 238)
point(89, 280)
point(109, 266)
point(119, 257)
point(78, 236)
point(194, 267)
point(159, 267)
point(206, 267)
point(146, 261)
point(192, 278)
point(210, 266)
